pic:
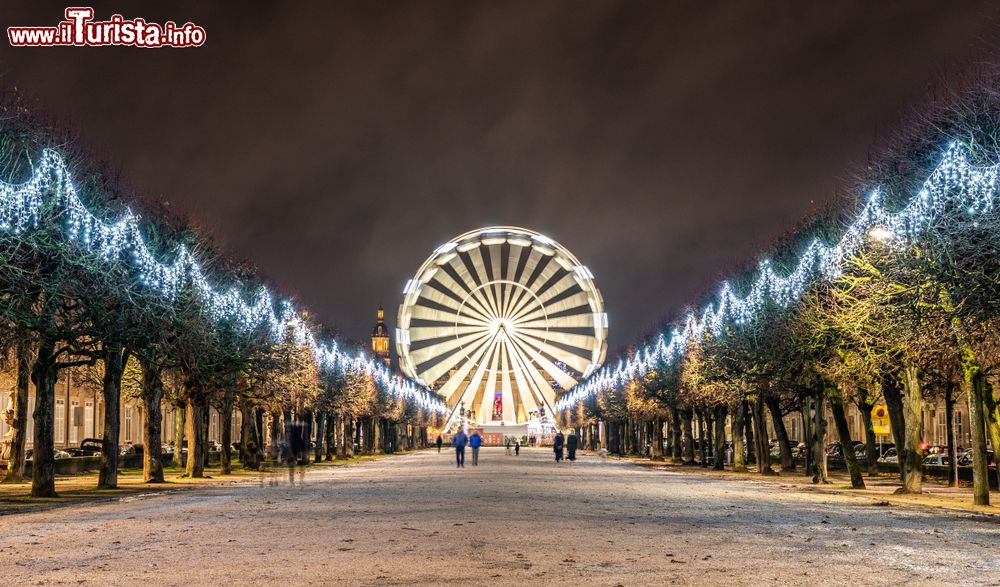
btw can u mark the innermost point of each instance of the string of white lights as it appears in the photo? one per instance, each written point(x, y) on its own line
point(21, 206)
point(955, 183)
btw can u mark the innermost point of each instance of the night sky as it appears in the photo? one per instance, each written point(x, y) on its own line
point(336, 144)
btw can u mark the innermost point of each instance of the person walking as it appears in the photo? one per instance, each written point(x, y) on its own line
point(475, 441)
point(571, 443)
point(517, 448)
point(507, 444)
point(557, 445)
point(439, 442)
point(459, 442)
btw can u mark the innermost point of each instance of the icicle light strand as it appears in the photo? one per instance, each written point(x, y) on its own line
point(956, 184)
point(21, 207)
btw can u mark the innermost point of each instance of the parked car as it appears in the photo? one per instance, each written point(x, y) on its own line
point(890, 456)
point(937, 459)
point(59, 454)
point(213, 446)
point(130, 449)
point(89, 447)
point(965, 460)
point(835, 450)
point(861, 450)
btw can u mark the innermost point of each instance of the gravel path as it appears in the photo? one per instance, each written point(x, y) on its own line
point(415, 519)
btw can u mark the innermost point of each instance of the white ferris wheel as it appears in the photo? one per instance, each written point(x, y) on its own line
point(499, 321)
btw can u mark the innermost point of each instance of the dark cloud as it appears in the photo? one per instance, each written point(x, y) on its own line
point(336, 144)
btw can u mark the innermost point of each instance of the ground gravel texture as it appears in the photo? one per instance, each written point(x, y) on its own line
point(416, 519)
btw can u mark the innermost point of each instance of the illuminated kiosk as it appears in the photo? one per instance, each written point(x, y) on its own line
point(499, 321)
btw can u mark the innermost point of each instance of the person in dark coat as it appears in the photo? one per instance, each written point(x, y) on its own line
point(557, 446)
point(517, 448)
point(461, 439)
point(571, 443)
point(439, 442)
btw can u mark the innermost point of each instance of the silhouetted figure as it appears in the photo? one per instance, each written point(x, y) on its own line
point(517, 448)
point(439, 442)
point(557, 445)
point(459, 442)
point(571, 443)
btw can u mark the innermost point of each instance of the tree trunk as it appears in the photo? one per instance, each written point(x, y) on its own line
point(675, 436)
point(43, 466)
point(865, 405)
point(784, 444)
point(762, 443)
point(991, 413)
point(720, 438)
point(818, 445)
point(331, 435)
point(179, 427)
point(114, 366)
point(226, 430)
point(250, 436)
point(913, 418)
point(688, 458)
point(348, 438)
point(707, 417)
point(152, 434)
point(196, 410)
point(739, 448)
point(702, 439)
point(975, 387)
point(320, 436)
point(949, 413)
point(894, 403)
point(844, 432)
point(19, 427)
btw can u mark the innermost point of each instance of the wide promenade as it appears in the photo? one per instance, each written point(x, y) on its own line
point(415, 519)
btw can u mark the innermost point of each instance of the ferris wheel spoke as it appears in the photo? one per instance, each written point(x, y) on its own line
point(582, 320)
point(450, 389)
point(527, 274)
point(577, 303)
point(440, 318)
point(525, 393)
point(570, 339)
point(556, 352)
point(478, 263)
point(433, 295)
point(565, 380)
point(425, 333)
point(477, 378)
point(507, 391)
point(472, 303)
point(546, 395)
point(422, 355)
point(471, 350)
point(565, 284)
point(473, 296)
point(470, 285)
point(496, 286)
point(486, 404)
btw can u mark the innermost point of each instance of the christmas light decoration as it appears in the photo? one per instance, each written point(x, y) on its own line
point(21, 206)
point(955, 184)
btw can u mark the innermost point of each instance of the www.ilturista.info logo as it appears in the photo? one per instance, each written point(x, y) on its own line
point(80, 30)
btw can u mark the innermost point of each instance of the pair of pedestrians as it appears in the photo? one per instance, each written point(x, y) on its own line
point(570, 443)
point(474, 441)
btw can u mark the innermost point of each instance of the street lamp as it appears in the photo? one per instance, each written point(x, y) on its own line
point(881, 234)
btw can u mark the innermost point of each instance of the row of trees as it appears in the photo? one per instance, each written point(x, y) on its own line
point(909, 314)
point(81, 288)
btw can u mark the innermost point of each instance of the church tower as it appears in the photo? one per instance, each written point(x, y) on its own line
point(380, 338)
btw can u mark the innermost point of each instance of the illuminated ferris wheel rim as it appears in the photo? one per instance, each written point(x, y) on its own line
point(512, 303)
